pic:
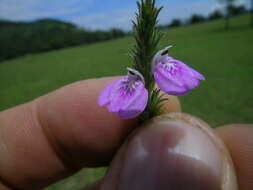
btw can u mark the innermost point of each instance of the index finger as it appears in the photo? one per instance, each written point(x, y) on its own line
point(57, 134)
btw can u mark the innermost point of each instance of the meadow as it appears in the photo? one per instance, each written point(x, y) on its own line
point(224, 57)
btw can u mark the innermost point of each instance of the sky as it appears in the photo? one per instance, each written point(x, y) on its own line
point(100, 14)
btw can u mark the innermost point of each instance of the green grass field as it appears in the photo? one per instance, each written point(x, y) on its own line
point(224, 57)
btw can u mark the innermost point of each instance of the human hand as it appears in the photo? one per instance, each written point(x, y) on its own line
point(55, 135)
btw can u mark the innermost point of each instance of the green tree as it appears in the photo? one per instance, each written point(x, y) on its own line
point(215, 15)
point(227, 4)
point(175, 23)
point(236, 10)
point(21, 38)
point(195, 18)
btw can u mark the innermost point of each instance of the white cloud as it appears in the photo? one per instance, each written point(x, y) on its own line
point(34, 9)
point(122, 18)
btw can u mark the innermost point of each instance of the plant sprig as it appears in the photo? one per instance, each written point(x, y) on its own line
point(147, 37)
point(136, 94)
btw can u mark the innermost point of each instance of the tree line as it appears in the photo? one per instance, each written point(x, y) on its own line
point(230, 10)
point(21, 38)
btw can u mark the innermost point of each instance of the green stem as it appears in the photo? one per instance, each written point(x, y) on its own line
point(147, 38)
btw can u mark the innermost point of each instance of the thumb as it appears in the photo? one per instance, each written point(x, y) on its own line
point(175, 151)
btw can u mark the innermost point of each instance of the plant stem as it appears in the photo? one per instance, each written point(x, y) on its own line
point(147, 38)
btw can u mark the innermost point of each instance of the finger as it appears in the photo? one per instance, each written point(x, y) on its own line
point(239, 140)
point(57, 134)
point(175, 151)
point(171, 105)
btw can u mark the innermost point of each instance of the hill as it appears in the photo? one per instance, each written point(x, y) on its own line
point(224, 57)
point(21, 38)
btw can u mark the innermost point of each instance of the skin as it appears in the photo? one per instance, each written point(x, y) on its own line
point(57, 134)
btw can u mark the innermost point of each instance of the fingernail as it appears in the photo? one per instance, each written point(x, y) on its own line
point(174, 151)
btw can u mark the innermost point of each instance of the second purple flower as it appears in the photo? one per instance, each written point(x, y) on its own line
point(173, 76)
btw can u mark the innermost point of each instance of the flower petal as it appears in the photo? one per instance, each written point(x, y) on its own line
point(167, 84)
point(189, 77)
point(129, 101)
point(118, 100)
point(192, 71)
point(174, 77)
point(136, 105)
point(105, 96)
point(189, 81)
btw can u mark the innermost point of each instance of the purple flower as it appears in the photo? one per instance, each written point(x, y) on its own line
point(126, 96)
point(173, 76)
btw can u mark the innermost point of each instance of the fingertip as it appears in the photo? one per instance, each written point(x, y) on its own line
point(172, 104)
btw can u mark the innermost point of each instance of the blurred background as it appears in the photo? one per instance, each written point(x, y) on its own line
point(45, 44)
